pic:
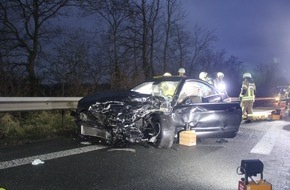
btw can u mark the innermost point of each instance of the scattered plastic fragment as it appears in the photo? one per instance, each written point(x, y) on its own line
point(37, 162)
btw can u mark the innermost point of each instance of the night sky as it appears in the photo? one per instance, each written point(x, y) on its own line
point(256, 31)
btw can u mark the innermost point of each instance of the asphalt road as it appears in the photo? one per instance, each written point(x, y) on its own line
point(208, 165)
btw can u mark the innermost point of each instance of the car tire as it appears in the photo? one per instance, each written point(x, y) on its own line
point(166, 135)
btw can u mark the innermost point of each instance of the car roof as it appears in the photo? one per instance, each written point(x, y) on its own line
point(182, 79)
point(169, 78)
point(158, 79)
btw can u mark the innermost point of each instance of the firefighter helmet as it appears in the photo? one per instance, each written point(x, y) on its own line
point(181, 71)
point(203, 75)
point(220, 75)
point(247, 75)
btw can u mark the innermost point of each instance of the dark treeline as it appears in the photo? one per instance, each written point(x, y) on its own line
point(45, 51)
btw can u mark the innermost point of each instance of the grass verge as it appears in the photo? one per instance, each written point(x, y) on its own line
point(25, 127)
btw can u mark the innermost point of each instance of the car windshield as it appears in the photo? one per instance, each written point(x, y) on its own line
point(165, 88)
point(144, 88)
point(160, 88)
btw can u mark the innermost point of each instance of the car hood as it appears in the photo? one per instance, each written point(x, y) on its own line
point(87, 101)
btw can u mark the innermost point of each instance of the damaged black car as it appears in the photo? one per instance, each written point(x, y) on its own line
point(156, 111)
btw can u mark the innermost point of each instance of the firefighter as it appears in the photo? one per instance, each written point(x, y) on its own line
point(204, 76)
point(181, 72)
point(166, 89)
point(247, 97)
point(219, 82)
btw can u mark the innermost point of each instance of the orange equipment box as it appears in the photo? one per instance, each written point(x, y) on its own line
point(187, 138)
point(259, 185)
point(275, 117)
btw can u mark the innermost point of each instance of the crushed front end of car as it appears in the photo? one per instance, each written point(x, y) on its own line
point(136, 119)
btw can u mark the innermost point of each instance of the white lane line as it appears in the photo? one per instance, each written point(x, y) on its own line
point(49, 156)
point(266, 144)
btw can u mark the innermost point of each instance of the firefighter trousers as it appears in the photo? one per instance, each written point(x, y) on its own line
point(247, 109)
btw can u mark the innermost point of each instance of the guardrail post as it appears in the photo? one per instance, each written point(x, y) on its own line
point(62, 117)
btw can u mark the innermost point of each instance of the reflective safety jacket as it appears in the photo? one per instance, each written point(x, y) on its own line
point(248, 91)
point(167, 89)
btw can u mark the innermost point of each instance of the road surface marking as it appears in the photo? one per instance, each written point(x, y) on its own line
point(266, 144)
point(49, 156)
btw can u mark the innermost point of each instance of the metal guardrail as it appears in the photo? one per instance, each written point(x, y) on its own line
point(55, 103)
point(37, 103)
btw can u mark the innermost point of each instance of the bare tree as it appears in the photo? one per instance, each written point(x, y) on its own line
point(268, 77)
point(147, 16)
point(26, 23)
point(115, 13)
point(175, 38)
point(76, 68)
point(145, 32)
point(218, 61)
point(131, 41)
point(154, 12)
point(179, 49)
point(168, 22)
point(201, 41)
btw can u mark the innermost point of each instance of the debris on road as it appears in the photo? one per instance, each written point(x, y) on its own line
point(37, 162)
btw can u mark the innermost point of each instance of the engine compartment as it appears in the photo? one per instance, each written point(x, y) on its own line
point(131, 120)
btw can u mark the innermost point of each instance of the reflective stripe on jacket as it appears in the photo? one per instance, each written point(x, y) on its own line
point(248, 91)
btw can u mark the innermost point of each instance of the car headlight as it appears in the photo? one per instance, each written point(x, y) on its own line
point(83, 116)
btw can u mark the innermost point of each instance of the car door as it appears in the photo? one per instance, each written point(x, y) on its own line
point(200, 107)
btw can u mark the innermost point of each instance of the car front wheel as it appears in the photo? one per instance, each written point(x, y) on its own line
point(165, 132)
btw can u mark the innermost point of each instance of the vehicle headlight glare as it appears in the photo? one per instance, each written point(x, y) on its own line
point(222, 86)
